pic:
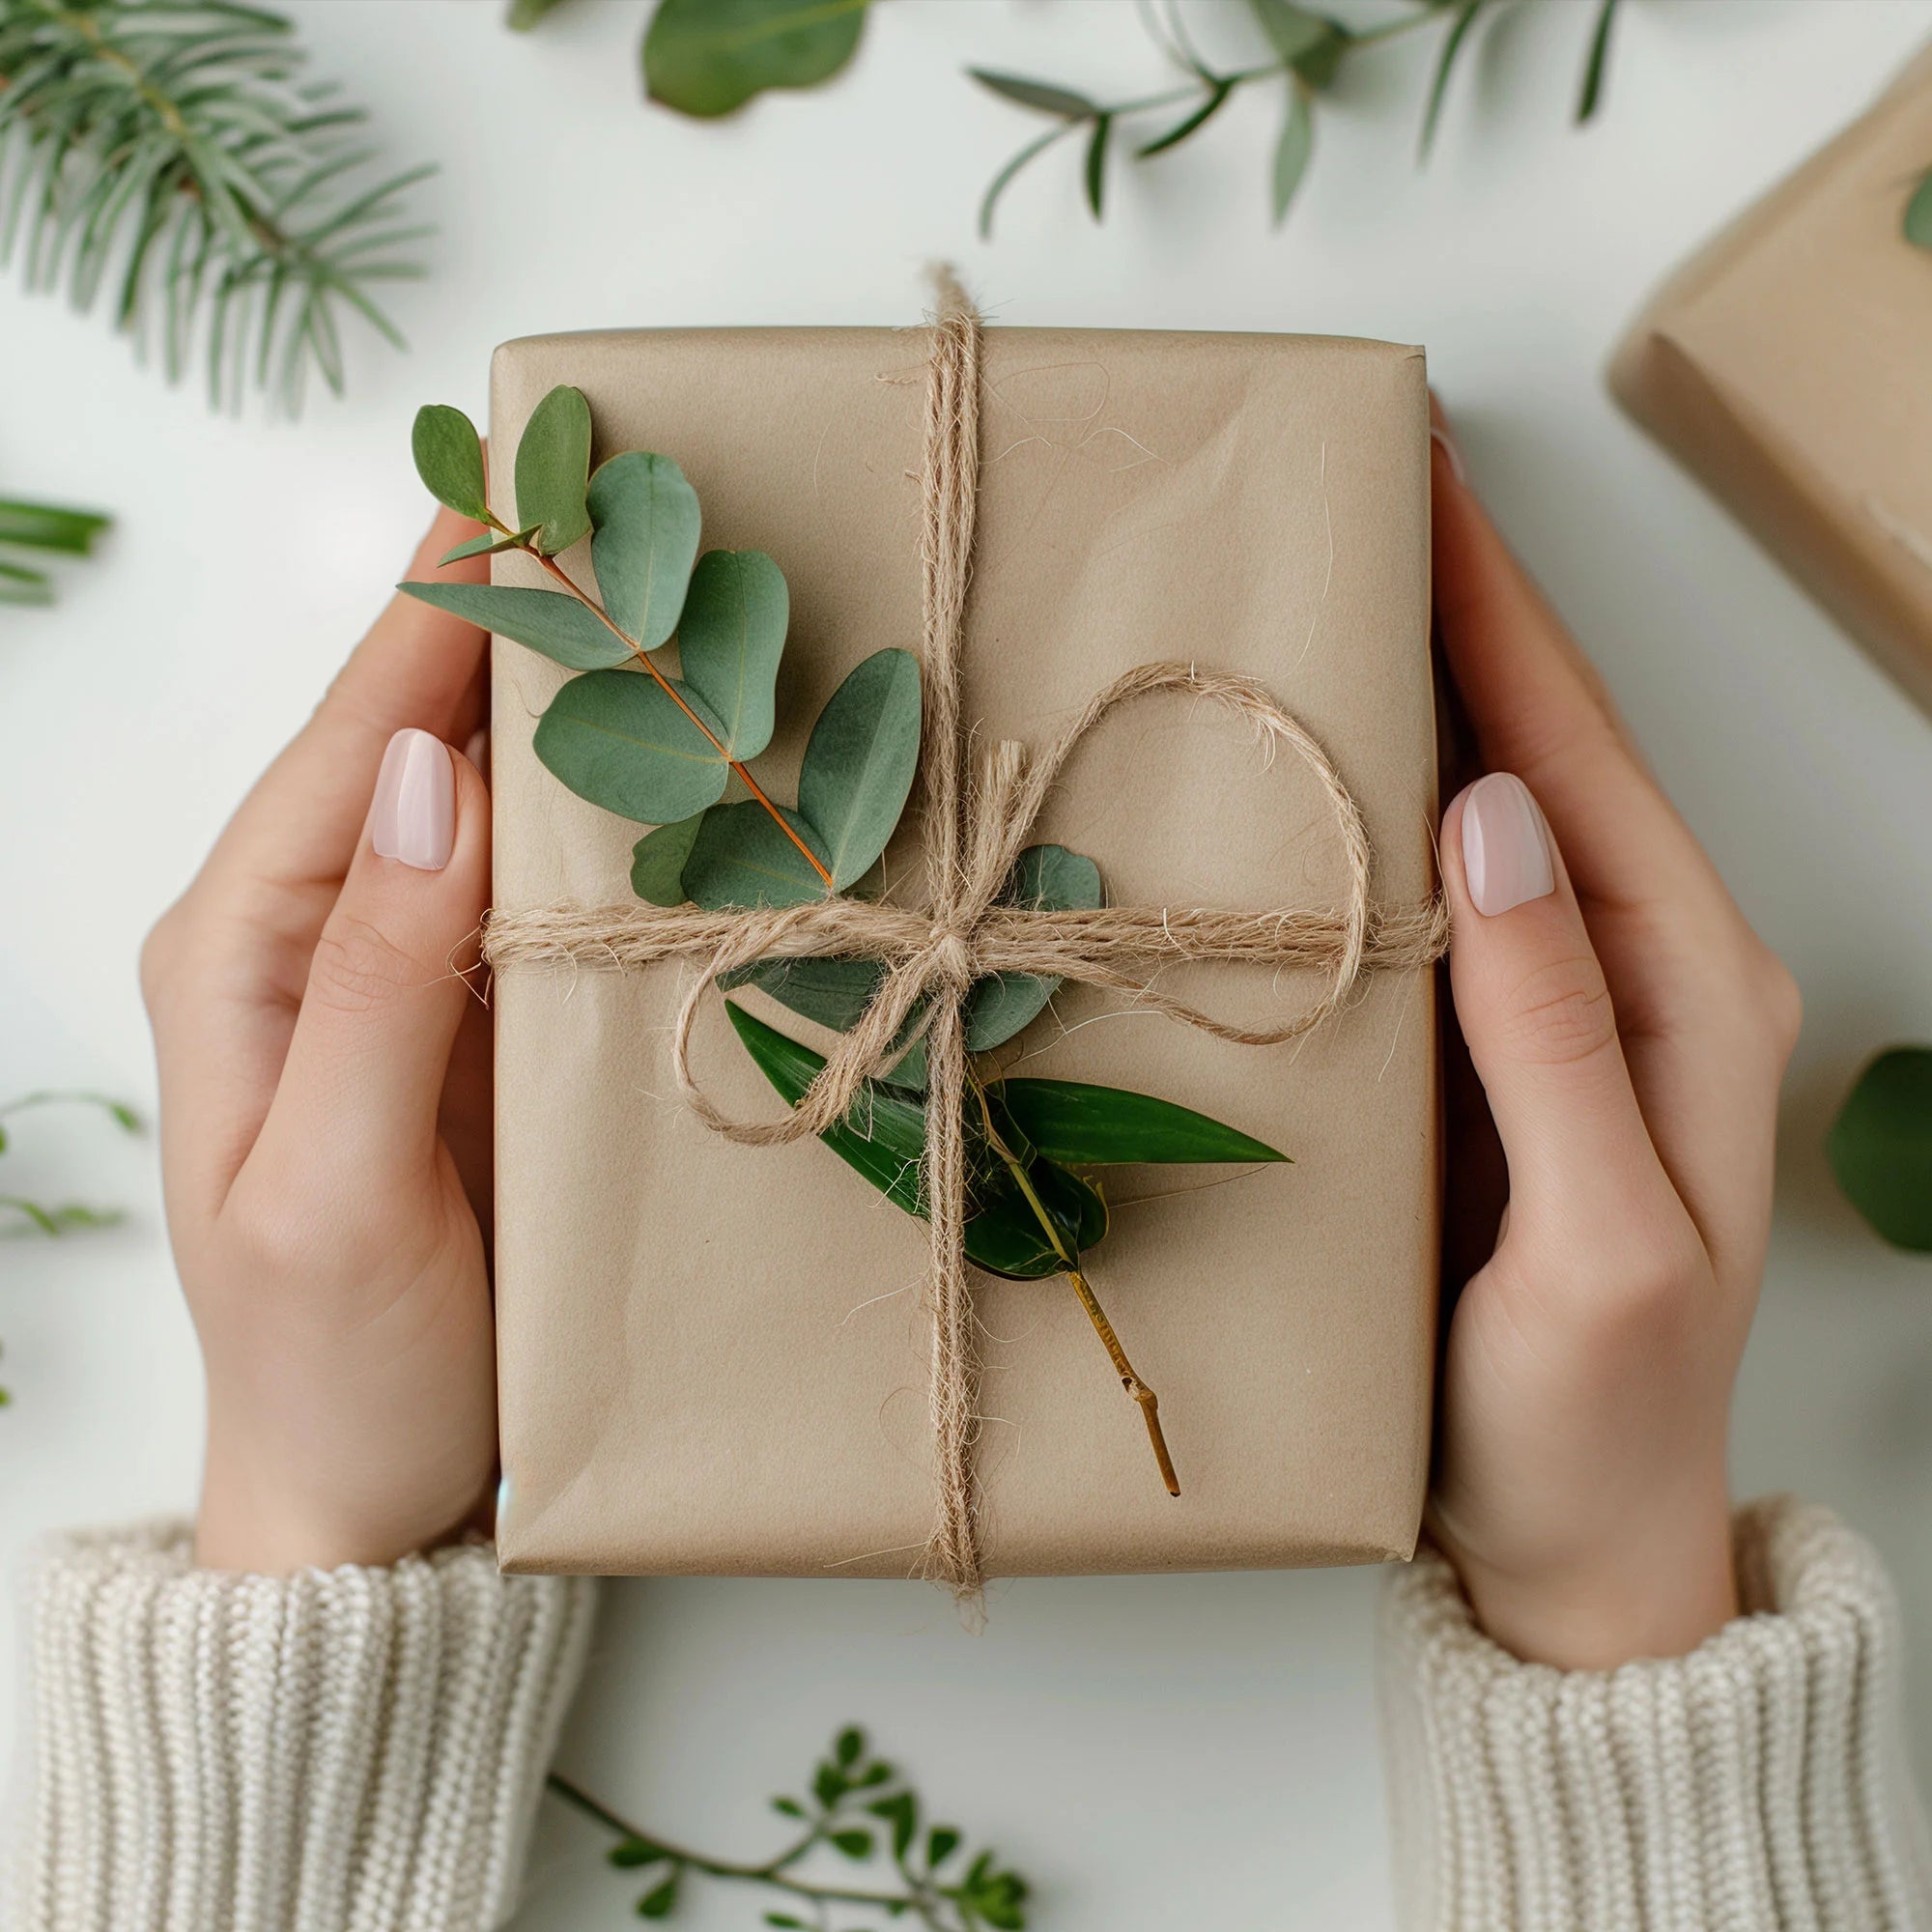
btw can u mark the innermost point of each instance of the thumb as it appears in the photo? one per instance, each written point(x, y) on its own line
point(385, 990)
point(1536, 1013)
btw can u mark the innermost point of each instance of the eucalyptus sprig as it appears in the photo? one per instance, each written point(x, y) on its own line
point(171, 152)
point(663, 750)
point(49, 528)
point(859, 1808)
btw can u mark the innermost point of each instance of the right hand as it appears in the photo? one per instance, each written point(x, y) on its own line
point(1630, 1032)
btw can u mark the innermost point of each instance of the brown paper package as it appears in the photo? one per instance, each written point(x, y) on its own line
point(713, 1357)
point(1787, 365)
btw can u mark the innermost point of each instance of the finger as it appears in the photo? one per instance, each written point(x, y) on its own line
point(364, 1077)
point(1536, 1012)
point(417, 666)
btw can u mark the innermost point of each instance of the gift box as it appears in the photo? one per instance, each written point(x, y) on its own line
point(1785, 365)
point(713, 1357)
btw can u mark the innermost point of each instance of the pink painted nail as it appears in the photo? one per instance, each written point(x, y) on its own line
point(414, 818)
point(1505, 846)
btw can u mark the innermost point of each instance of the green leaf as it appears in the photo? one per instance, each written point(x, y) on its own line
point(1292, 149)
point(834, 992)
point(631, 1854)
point(550, 622)
point(20, 585)
point(790, 1807)
point(828, 1781)
point(940, 1842)
point(1219, 93)
point(658, 860)
point(661, 1902)
point(552, 469)
point(860, 760)
point(902, 1813)
point(1098, 1127)
point(1044, 97)
point(1094, 171)
point(645, 519)
point(1001, 1005)
point(1917, 224)
point(49, 527)
point(730, 640)
point(1309, 44)
point(785, 1920)
point(855, 1844)
point(1445, 64)
point(617, 739)
point(850, 1745)
point(449, 460)
point(1881, 1147)
point(1593, 69)
point(487, 544)
point(706, 57)
point(524, 15)
point(739, 857)
point(1001, 181)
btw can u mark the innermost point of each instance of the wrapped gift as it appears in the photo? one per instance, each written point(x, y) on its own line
point(1786, 365)
point(717, 1357)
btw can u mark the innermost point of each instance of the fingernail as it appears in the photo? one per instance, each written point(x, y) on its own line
point(1505, 846)
point(414, 818)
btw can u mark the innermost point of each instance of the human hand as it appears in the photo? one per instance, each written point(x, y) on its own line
point(324, 1117)
point(1630, 1032)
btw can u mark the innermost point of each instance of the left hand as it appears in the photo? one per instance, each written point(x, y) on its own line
point(324, 1117)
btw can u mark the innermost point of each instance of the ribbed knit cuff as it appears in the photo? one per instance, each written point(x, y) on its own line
point(1756, 1785)
point(354, 1750)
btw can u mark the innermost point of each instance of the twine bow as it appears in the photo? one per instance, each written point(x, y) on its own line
point(972, 834)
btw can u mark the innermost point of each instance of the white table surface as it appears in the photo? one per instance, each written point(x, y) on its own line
point(1192, 1751)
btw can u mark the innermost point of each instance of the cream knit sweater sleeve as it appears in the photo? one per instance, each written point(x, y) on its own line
point(1757, 1785)
point(354, 1750)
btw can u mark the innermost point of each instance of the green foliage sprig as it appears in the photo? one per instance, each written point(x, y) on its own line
point(1881, 1147)
point(44, 527)
point(174, 157)
point(62, 1217)
point(662, 750)
point(860, 1807)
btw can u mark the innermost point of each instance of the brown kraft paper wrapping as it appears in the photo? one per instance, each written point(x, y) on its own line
point(713, 1358)
point(1789, 365)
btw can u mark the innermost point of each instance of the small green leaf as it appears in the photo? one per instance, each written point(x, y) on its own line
point(860, 760)
point(850, 1745)
point(828, 1781)
point(1219, 93)
point(730, 640)
point(1881, 1147)
point(1917, 225)
point(524, 15)
point(18, 584)
point(940, 1842)
point(661, 1902)
point(902, 1813)
point(706, 57)
point(486, 544)
point(854, 1844)
point(1445, 64)
point(550, 622)
point(633, 1854)
point(1098, 1127)
point(1309, 44)
point(616, 738)
point(646, 517)
point(552, 469)
point(1003, 1004)
point(658, 861)
point(739, 857)
point(49, 527)
point(790, 1807)
point(1599, 61)
point(1041, 95)
point(785, 1920)
point(449, 460)
point(1292, 149)
point(834, 992)
point(1094, 170)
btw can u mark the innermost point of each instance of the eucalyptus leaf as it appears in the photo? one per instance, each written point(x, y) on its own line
point(1917, 224)
point(1309, 42)
point(449, 460)
point(1291, 151)
point(860, 761)
point(741, 858)
point(1219, 93)
point(730, 640)
point(552, 468)
point(833, 992)
point(1094, 172)
point(1881, 1147)
point(1041, 95)
point(549, 622)
point(1001, 1005)
point(486, 544)
point(618, 739)
point(658, 860)
point(1100, 1126)
point(707, 57)
point(645, 521)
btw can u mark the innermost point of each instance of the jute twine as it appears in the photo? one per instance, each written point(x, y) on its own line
point(972, 834)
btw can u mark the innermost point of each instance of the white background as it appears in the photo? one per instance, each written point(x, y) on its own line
point(1182, 1751)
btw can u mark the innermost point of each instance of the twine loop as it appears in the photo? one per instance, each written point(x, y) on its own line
point(972, 834)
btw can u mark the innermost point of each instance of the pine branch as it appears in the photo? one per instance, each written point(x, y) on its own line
point(172, 157)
